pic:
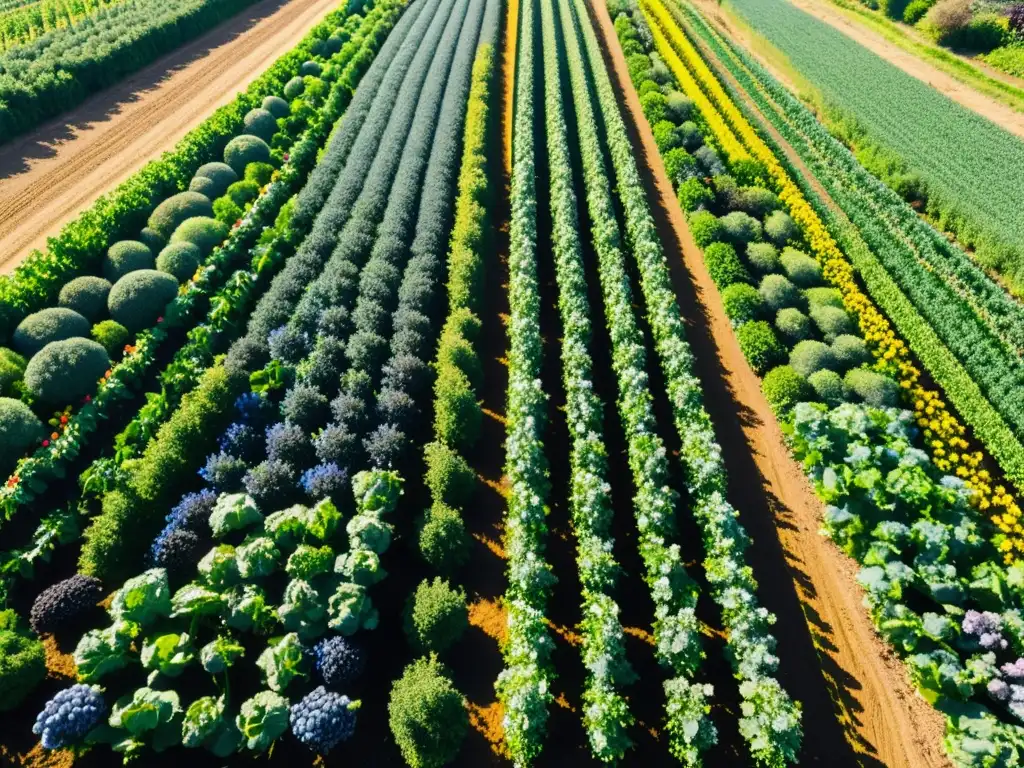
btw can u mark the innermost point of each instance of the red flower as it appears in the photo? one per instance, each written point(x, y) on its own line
point(13, 481)
point(286, 157)
point(160, 319)
point(46, 443)
point(63, 419)
point(88, 398)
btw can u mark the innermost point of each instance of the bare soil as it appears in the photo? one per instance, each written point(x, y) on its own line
point(50, 175)
point(802, 575)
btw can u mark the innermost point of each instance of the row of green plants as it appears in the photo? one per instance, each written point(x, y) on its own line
point(30, 20)
point(524, 685)
point(931, 573)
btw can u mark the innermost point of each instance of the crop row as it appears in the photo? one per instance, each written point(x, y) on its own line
point(931, 573)
point(29, 21)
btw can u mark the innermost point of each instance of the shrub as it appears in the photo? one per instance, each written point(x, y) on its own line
point(66, 371)
point(724, 265)
point(22, 666)
point(639, 66)
point(226, 211)
point(648, 86)
point(679, 107)
point(693, 195)
point(112, 336)
point(760, 345)
point(793, 324)
point(276, 106)
point(185, 205)
point(915, 10)
point(800, 268)
point(832, 322)
point(810, 356)
point(709, 160)
point(221, 174)
point(435, 616)
point(339, 661)
point(204, 186)
point(294, 88)
point(742, 302)
point(824, 297)
point(289, 443)
point(85, 295)
point(779, 227)
point(871, 387)
point(783, 388)
point(665, 135)
point(827, 386)
point(778, 293)
point(385, 445)
point(443, 540)
point(850, 351)
point(449, 478)
point(204, 233)
point(680, 166)
point(763, 258)
point(152, 239)
point(124, 257)
point(224, 472)
point(757, 201)
point(655, 106)
point(109, 538)
point(245, 149)
point(306, 406)
point(272, 484)
point(64, 602)
point(12, 372)
point(427, 715)
point(180, 260)
point(20, 430)
point(243, 192)
point(310, 68)
point(260, 123)
point(180, 552)
point(51, 324)
point(740, 228)
point(705, 228)
point(259, 173)
point(457, 418)
point(139, 298)
point(691, 137)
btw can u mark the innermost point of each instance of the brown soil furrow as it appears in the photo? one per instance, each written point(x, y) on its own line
point(50, 175)
point(882, 718)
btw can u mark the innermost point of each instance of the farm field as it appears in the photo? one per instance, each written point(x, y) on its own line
point(504, 383)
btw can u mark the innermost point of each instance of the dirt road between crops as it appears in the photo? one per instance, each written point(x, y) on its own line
point(999, 113)
point(55, 172)
point(885, 722)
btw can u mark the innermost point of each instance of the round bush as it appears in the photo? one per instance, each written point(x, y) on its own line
point(124, 257)
point(12, 372)
point(449, 478)
point(655, 106)
point(272, 484)
point(757, 201)
point(85, 295)
point(339, 661)
point(243, 192)
point(705, 228)
point(204, 186)
point(691, 137)
point(648, 86)
point(311, 68)
point(779, 227)
point(800, 268)
point(427, 715)
point(51, 324)
point(709, 160)
point(294, 88)
point(827, 386)
point(692, 194)
point(180, 552)
point(276, 106)
point(180, 260)
point(63, 602)
point(226, 211)
point(824, 297)
point(305, 406)
point(66, 371)
point(740, 228)
point(760, 345)
point(22, 667)
point(220, 174)
point(850, 351)
point(810, 356)
point(832, 322)
point(783, 388)
point(457, 416)
point(679, 107)
point(289, 443)
point(742, 302)
point(138, 299)
point(793, 324)
point(152, 239)
point(245, 149)
point(724, 265)
point(260, 123)
point(185, 205)
point(763, 258)
point(112, 336)
point(871, 387)
point(204, 233)
point(259, 173)
point(665, 135)
point(19, 431)
point(435, 616)
point(444, 542)
point(778, 293)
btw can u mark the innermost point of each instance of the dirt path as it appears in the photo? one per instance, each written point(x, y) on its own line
point(53, 173)
point(881, 717)
point(986, 106)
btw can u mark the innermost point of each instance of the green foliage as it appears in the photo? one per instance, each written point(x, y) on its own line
point(655, 106)
point(180, 260)
point(679, 107)
point(692, 194)
point(427, 715)
point(12, 373)
point(793, 324)
point(810, 356)
point(742, 302)
point(204, 186)
point(779, 227)
point(705, 228)
point(124, 257)
point(22, 666)
point(800, 268)
point(763, 258)
point(850, 351)
point(828, 387)
point(174, 210)
point(19, 431)
point(665, 135)
point(112, 336)
point(233, 512)
point(226, 211)
point(260, 123)
point(66, 371)
point(53, 324)
point(779, 293)
point(139, 298)
point(245, 191)
point(760, 345)
point(443, 540)
point(457, 415)
point(639, 67)
point(222, 176)
point(204, 233)
point(435, 616)
point(740, 228)
point(259, 173)
point(832, 322)
point(152, 239)
point(824, 297)
point(243, 150)
point(724, 265)
point(262, 719)
point(449, 478)
point(783, 388)
point(871, 387)
point(680, 165)
point(294, 88)
point(276, 106)
point(915, 10)
point(86, 295)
